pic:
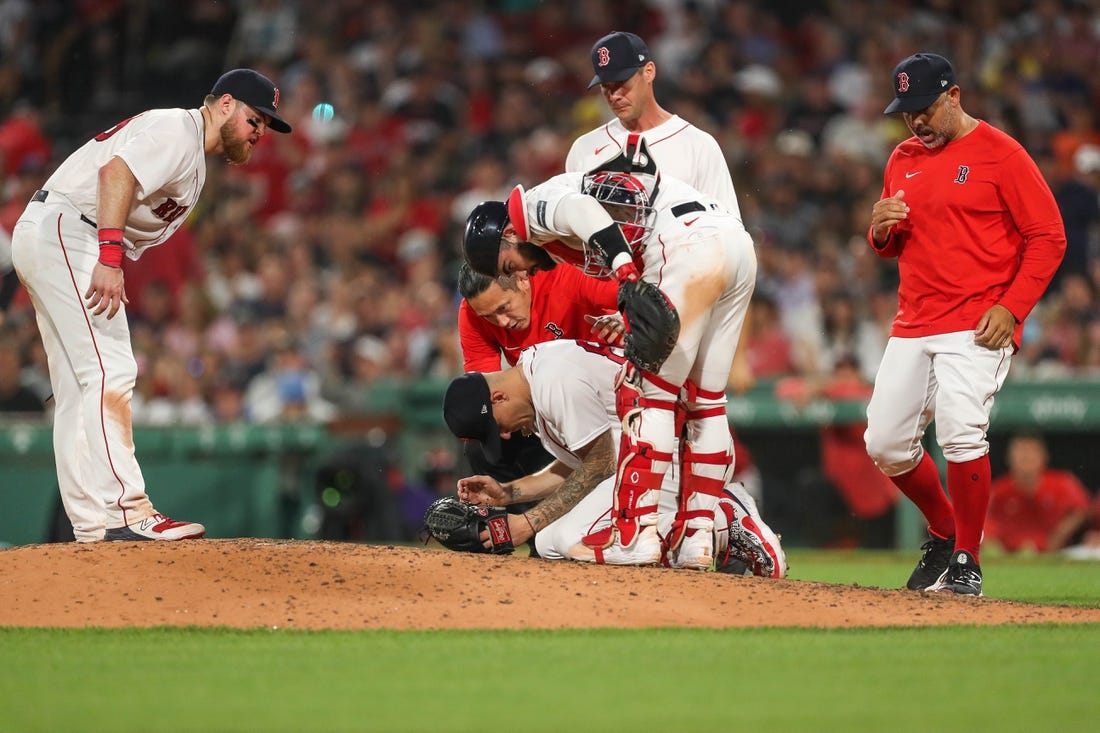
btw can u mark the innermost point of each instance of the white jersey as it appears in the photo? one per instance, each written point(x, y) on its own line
point(680, 149)
point(165, 150)
point(572, 390)
point(676, 204)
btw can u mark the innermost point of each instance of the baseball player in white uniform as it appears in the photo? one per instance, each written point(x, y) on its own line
point(698, 254)
point(625, 71)
point(563, 391)
point(8, 280)
point(125, 190)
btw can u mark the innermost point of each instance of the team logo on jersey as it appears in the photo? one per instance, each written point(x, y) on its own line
point(903, 82)
point(964, 171)
point(275, 101)
point(169, 211)
point(603, 55)
point(555, 329)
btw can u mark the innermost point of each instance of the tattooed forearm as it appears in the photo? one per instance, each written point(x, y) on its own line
point(599, 463)
point(513, 492)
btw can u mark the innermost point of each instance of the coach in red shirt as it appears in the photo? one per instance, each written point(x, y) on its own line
point(978, 237)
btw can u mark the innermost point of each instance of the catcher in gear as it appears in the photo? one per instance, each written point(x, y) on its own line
point(624, 220)
point(564, 392)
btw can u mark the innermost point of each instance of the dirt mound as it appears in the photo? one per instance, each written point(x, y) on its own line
point(248, 583)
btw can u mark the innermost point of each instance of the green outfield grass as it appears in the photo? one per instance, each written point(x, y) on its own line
point(1034, 579)
point(1010, 678)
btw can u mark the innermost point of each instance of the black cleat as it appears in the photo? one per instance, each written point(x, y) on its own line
point(933, 563)
point(963, 576)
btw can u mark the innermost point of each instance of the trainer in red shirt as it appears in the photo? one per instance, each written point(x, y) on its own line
point(499, 318)
point(1035, 507)
point(503, 317)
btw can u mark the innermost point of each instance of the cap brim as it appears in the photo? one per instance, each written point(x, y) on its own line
point(494, 451)
point(911, 104)
point(278, 124)
point(613, 76)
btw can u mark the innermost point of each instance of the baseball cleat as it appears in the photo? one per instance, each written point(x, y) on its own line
point(696, 550)
point(155, 527)
point(751, 542)
point(933, 563)
point(963, 576)
point(646, 550)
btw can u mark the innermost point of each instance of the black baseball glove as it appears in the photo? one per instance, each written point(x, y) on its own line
point(456, 525)
point(652, 324)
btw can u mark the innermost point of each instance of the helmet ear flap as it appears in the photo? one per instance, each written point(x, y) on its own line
point(484, 230)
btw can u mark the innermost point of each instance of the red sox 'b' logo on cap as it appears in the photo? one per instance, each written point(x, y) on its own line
point(604, 56)
point(275, 102)
point(903, 82)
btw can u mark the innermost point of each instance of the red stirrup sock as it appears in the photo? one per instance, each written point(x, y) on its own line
point(970, 485)
point(922, 486)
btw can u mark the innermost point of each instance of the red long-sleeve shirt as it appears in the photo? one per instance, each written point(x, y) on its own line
point(560, 299)
point(983, 228)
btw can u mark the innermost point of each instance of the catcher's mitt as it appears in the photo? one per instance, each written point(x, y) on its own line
point(457, 525)
point(652, 324)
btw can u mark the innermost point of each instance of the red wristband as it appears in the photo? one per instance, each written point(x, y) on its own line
point(110, 236)
point(110, 254)
point(110, 247)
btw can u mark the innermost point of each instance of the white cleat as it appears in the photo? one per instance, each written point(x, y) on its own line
point(155, 527)
point(696, 550)
point(646, 550)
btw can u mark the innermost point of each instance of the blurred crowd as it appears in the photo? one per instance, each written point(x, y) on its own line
point(311, 282)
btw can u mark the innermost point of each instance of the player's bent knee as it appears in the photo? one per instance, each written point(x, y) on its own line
point(892, 459)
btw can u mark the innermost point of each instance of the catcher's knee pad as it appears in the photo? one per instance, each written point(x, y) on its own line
point(641, 465)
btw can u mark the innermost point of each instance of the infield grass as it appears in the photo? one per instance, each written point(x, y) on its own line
point(1007, 678)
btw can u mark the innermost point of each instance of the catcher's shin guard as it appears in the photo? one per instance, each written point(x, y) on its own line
point(641, 468)
point(693, 538)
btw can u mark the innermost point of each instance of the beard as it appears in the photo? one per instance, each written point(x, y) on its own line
point(237, 149)
point(537, 255)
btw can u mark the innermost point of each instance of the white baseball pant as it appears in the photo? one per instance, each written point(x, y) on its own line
point(946, 377)
point(92, 371)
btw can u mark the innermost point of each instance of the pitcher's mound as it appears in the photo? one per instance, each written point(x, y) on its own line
point(250, 583)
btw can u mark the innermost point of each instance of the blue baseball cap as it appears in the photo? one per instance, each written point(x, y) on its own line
point(919, 81)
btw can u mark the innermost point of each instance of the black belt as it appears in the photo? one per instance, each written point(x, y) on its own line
point(42, 194)
point(690, 206)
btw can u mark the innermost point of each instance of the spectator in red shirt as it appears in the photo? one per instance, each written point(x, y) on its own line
point(1092, 532)
point(1035, 507)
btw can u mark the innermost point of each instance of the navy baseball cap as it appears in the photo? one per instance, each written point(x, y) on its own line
point(918, 81)
point(255, 90)
point(617, 57)
point(468, 411)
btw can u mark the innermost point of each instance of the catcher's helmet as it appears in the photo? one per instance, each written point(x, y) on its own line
point(625, 197)
point(481, 240)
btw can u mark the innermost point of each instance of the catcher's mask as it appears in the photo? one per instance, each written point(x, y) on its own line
point(626, 199)
point(468, 412)
point(481, 240)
